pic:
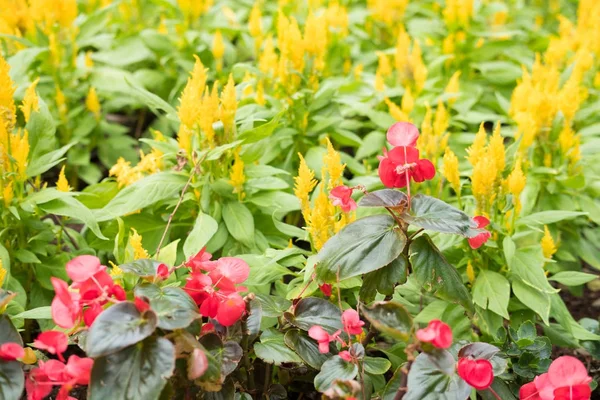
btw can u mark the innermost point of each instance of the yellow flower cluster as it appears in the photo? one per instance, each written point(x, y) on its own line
point(62, 184)
point(192, 9)
point(92, 103)
point(135, 241)
point(434, 136)
point(548, 245)
point(236, 175)
point(458, 13)
point(410, 68)
point(149, 164)
point(387, 12)
point(199, 108)
point(48, 13)
point(321, 219)
point(30, 101)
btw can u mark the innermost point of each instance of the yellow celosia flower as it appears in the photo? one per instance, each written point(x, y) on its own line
point(496, 149)
point(333, 165)
point(8, 194)
point(89, 63)
point(150, 163)
point(228, 107)
point(116, 273)
point(260, 94)
point(218, 49)
point(337, 17)
point(470, 272)
point(135, 241)
point(268, 60)
point(61, 103)
point(30, 101)
point(569, 144)
point(384, 67)
point(453, 87)
point(548, 245)
point(254, 21)
point(418, 68)
point(458, 12)
point(192, 9)
point(387, 11)
point(358, 70)
point(441, 121)
point(482, 182)
point(124, 173)
point(209, 108)
point(477, 149)
point(516, 183)
point(305, 182)
point(189, 102)
point(19, 150)
point(379, 83)
point(396, 111)
point(47, 13)
point(92, 103)
point(236, 174)
point(321, 218)
point(62, 184)
point(7, 90)
point(3, 273)
point(450, 170)
point(248, 89)
point(402, 53)
point(408, 101)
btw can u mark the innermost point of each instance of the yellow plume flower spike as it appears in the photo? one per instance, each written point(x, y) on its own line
point(482, 182)
point(19, 150)
point(260, 94)
point(379, 83)
point(516, 183)
point(396, 111)
point(333, 166)
point(150, 163)
point(453, 87)
point(268, 60)
point(3, 273)
point(254, 21)
point(228, 106)
point(30, 101)
point(62, 184)
point(189, 102)
point(408, 102)
point(304, 184)
point(8, 194)
point(477, 149)
point(92, 103)
point(497, 150)
point(7, 91)
point(236, 174)
point(384, 67)
point(441, 121)
point(89, 63)
point(402, 52)
point(548, 245)
point(470, 272)
point(124, 173)
point(116, 273)
point(135, 240)
point(218, 49)
point(450, 170)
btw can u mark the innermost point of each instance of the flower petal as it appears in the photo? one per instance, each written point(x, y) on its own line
point(403, 134)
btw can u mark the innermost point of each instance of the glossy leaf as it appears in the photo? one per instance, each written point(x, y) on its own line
point(144, 268)
point(334, 369)
point(174, 308)
point(363, 246)
point(384, 198)
point(376, 365)
point(305, 347)
point(312, 311)
point(384, 280)
point(433, 377)
point(272, 349)
point(390, 318)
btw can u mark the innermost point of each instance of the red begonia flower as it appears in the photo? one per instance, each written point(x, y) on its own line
point(207, 328)
point(81, 268)
point(11, 351)
point(231, 309)
point(326, 289)
point(438, 333)
point(570, 379)
point(201, 262)
point(118, 293)
point(198, 286)
point(403, 134)
point(478, 241)
point(402, 162)
point(352, 323)
point(37, 383)
point(229, 272)
point(90, 313)
point(79, 369)
point(342, 196)
point(322, 337)
point(54, 342)
point(162, 271)
point(65, 307)
point(141, 305)
point(210, 305)
point(344, 355)
point(197, 365)
point(477, 373)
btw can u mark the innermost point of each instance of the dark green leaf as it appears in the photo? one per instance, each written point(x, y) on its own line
point(384, 198)
point(376, 365)
point(12, 380)
point(433, 377)
point(361, 247)
point(312, 311)
point(174, 308)
point(334, 369)
point(436, 275)
point(305, 347)
point(492, 291)
point(390, 318)
point(272, 349)
point(136, 372)
point(436, 215)
point(119, 326)
point(144, 268)
point(384, 280)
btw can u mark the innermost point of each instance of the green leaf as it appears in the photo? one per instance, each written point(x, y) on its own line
point(272, 349)
point(8, 333)
point(273, 306)
point(68, 206)
point(376, 365)
point(36, 313)
point(384, 198)
point(390, 318)
point(360, 247)
point(433, 214)
point(262, 131)
point(168, 254)
point(136, 372)
point(12, 379)
point(144, 268)
point(26, 256)
point(204, 229)
point(314, 311)
point(573, 278)
point(117, 327)
point(436, 275)
point(239, 222)
point(548, 217)
point(332, 370)
point(528, 265)
point(305, 347)
point(492, 291)
point(151, 100)
point(174, 308)
point(141, 194)
point(433, 377)
point(44, 162)
point(533, 298)
point(384, 280)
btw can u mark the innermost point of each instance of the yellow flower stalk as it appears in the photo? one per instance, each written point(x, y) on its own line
point(333, 165)
point(453, 87)
point(150, 163)
point(47, 13)
point(477, 149)
point(305, 182)
point(192, 9)
point(547, 243)
point(7, 90)
point(470, 272)
point(19, 150)
point(255, 22)
point(321, 219)
point(124, 173)
point(441, 121)
point(387, 11)
point(228, 107)
point(379, 83)
point(92, 103)
point(482, 182)
point(8, 194)
point(189, 102)
point(402, 52)
point(497, 151)
point(30, 101)
point(408, 102)
point(396, 111)
point(260, 93)
point(268, 60)
point(61, 103)
point(62, 184)
point(384, 67)
point(3, 273)
point(218, 49)
point(135, 241)
point(450, 170)
point(516, 183)
point(236, 174)
point(419, 70)
point(337, 18)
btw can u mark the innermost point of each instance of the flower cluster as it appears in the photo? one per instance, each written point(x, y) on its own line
point(216, 293)
point(352, 326)
point(566, 379)
point(41, 379)
point(84, 299)
point(437, 333)
point(401, 164)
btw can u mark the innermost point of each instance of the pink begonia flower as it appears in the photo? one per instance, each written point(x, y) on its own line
point(478, 241)
point(566, 379)
point(79, 369)
point(401, 164)
point(162, 271)
point(81, 268)
point(11, 351)
point(322, 337)
point(40, 380)
point(91, 313)
point(231, 309)
point(438, 333)
point(342, 196)
point(198, 364)
point(201, 261)
point(476, 372)
point(352, 323)
point(54, 342)
point(141, 305)
point(345, 355)
point(403, 134)
point(229, 272)
point(65, 307)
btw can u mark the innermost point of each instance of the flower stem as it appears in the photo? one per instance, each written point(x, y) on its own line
point(245, 342)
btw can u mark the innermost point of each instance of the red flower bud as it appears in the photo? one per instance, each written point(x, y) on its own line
point(477, 373)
